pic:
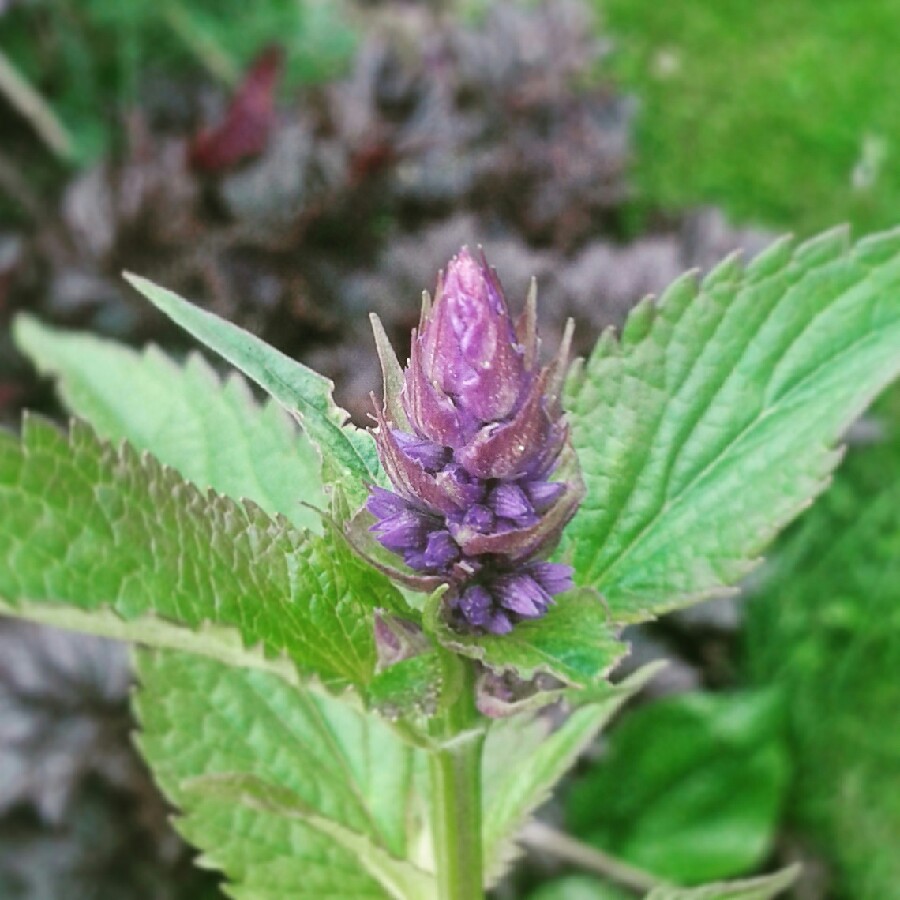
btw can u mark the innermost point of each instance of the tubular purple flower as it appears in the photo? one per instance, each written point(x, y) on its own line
point(484, 477)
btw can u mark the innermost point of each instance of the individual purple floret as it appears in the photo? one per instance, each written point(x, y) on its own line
point(474, 449)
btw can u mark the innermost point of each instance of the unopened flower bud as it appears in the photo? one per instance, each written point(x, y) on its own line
point(475, 497)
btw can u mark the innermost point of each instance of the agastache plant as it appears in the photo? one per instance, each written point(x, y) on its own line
point(321, 728)
point(473, 456)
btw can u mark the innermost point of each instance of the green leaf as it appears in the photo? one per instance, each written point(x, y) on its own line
point(824, 627)
point(300, 390)
point(712, 422)
point(574, 641)
point(247, 791)
point(411, 687)
point(539, 758)
point(585, 887)
point(692, 787)
point(289, 792)
point(579, 887)
point(212, 432)
point(89, 527)
point(763, 888)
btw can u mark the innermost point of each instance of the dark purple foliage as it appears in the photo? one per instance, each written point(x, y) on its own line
point(475, 499)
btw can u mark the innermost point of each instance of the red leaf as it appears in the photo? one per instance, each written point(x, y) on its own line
point(245, 130)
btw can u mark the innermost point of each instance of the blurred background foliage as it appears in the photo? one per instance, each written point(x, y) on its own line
point(706, 808)
point(602, 145)
point(94, 59)
point(824, 629)
point(783, 113)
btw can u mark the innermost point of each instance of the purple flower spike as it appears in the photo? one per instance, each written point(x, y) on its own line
point(509, 502)
point(440, 550)
point(543, 494)
point(430, 456)
point(479, 518)
point(383, 504)
point(403, 530)
point(472, 461)
point(469, 350)
point(554, 578)
point(476, 605)
point(522, 594)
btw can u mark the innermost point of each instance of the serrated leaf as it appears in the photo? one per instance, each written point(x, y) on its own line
point(89, 527)
point(574, 641)
point(524, 761)
point(712, 422)
point(212, 432)
point(397, 877)
point(300, 390)
point(290, 793)
point(705, 807)
point(763, 888)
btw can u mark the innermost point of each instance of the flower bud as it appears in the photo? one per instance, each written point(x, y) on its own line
point(474, 498)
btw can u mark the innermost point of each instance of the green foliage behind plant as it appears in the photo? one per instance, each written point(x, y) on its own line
point(86, 58)
point(691, 788)
point(826, 627)
point(578, 887)
point(783, 113)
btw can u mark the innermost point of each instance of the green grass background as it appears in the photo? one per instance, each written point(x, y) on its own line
point(784, 112)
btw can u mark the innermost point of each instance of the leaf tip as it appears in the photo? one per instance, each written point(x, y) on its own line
point(132, 278)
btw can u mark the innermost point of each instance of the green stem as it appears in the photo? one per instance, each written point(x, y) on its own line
point(539, 836)
point(455, 768)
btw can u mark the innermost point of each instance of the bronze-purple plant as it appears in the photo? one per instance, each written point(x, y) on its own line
point(474, 451)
